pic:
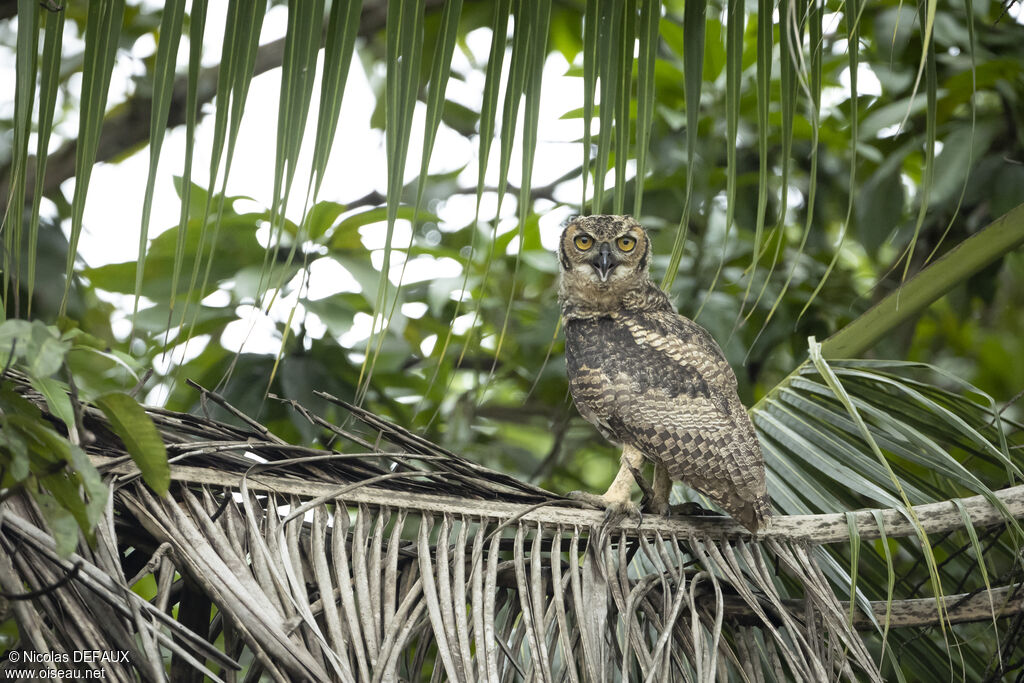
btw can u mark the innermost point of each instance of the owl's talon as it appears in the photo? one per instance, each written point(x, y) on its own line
point(691, 509)
point(617, 511)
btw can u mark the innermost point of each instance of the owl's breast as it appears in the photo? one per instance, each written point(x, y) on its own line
point(588, 363)
point(611, 352)
point(610, 367)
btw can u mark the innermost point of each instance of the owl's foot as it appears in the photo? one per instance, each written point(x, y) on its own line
point(615, 509)
point(691, 509)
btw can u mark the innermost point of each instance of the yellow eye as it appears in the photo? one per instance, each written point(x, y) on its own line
point(626, 243)
point(583, 242)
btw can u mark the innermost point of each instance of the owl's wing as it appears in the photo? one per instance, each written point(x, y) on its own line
point(661, 383)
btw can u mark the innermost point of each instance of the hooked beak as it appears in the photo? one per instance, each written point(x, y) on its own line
point(604, 262)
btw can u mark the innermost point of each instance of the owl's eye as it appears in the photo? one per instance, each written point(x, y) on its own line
point(583, 242)
point(626, 243)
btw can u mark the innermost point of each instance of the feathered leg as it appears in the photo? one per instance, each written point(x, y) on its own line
point(662, 489)
point(617, 500)
point(659, 503)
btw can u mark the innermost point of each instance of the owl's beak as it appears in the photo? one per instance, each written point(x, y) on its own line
point(604, 262)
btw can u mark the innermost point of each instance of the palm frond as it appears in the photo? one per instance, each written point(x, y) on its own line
point(104, 27)
point(399, 556)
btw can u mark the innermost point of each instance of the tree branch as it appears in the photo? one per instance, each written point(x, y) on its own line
point(814, 529)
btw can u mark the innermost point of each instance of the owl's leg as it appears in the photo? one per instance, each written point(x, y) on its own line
point(659, 504)
point(617, 500)
point(621, 487)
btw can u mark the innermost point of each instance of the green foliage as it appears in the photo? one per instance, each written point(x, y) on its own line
point(48, 460)
point(130, 422)
point(33, 454)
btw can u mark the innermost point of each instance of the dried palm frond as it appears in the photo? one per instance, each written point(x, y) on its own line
point(404, 561)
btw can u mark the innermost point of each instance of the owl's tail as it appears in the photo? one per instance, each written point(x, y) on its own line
point(756, 515)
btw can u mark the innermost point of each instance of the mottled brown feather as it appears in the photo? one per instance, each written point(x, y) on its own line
point(651, 378)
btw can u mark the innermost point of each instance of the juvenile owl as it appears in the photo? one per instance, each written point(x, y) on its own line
point(651, 379)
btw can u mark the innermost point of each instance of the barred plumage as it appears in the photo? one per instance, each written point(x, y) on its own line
point(651, 379)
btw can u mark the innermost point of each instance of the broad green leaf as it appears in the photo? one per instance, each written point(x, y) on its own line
point(130, 422)
point(15, 335)
point(44, 350)
point(321, 217)
point(56, 395)
point(343, 232)
point(238, 240)
point(60, 467)
point(97, 491)
point(65, 490)
point(119, 358)
point(16, 460)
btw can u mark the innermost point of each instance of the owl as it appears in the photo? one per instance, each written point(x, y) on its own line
point(650, 379)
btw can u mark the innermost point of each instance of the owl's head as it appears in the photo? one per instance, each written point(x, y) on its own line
point(604, 251)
